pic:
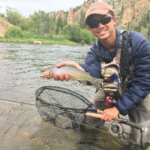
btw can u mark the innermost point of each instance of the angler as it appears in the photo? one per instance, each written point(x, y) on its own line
point(122, 59)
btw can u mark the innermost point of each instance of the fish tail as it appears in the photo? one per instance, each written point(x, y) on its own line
point(97, 83)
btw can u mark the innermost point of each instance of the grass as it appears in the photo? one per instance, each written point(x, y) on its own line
point(43, 40)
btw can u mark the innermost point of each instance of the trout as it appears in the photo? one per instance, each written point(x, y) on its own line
point(74, 74)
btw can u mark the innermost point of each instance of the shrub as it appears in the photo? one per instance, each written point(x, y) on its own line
point(73, 32)
point(14, 31)
point(87, 37)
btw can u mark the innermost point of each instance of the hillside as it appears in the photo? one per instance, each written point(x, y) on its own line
point(130, 13)
point(3, 26)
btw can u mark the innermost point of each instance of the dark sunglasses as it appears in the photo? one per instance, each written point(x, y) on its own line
point(95, 23)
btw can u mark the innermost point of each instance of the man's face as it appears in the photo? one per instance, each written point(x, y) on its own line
point(103, 31)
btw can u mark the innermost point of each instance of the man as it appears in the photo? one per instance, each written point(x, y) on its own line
point(135, 101)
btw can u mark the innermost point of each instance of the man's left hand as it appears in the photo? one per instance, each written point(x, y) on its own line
point(109, 114)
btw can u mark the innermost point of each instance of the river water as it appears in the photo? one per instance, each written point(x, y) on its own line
point(21, 127)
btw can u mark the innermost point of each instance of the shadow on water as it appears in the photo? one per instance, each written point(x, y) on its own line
point(21, 127)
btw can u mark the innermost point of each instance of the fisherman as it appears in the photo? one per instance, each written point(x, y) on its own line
point(105, 60)
point(82, 43)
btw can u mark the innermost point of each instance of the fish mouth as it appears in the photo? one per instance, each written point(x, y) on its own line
point(45, 74)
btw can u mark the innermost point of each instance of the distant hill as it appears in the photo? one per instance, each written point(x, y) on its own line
point(3, 26)
point(131, 14)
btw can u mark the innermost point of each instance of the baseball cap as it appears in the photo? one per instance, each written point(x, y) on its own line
point(101, 8)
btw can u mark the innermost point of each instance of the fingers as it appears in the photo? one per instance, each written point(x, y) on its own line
point(62, 77)
point(71, 63)
point(107, 117)
point(110, 114)
point(63, 63)
point(67, 77)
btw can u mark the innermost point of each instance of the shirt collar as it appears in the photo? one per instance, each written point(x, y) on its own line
point(104, 53)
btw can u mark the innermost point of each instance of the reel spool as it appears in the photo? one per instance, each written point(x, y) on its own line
point(115, 129)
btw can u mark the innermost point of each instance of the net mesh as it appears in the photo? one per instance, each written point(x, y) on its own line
point(63, 107)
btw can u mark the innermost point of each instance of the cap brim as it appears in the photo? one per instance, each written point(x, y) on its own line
point(99, 12)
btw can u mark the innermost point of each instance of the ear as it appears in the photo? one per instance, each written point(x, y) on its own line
point(115, 20)
point(89, 29)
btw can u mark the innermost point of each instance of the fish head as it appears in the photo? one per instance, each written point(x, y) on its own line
point(46, 73)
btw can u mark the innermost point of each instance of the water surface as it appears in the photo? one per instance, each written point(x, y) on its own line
point(21, 127)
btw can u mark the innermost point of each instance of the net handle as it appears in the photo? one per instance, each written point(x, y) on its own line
point(124, 121)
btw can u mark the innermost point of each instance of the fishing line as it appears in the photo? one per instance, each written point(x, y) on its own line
point(22, 103)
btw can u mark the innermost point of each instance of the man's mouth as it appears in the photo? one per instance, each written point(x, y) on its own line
point(101, 32)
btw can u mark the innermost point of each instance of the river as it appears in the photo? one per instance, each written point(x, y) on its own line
point(21, 127)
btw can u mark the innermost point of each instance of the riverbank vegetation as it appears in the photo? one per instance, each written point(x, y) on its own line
point(46, 28)
point(68, 27)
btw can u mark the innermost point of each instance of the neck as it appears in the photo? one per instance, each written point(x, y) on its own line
point(110, 42)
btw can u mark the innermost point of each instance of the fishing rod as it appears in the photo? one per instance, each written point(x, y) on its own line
point(120, 120)
point(116, 128)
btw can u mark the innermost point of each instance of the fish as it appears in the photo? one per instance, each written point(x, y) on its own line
point(74, 74)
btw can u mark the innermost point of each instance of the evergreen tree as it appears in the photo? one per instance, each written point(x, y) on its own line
point(148, 33)
point(59, 25)
point(144, 21)
point(148, 16)
point(81, 21)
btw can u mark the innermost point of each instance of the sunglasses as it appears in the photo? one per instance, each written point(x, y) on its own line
point(95, 23)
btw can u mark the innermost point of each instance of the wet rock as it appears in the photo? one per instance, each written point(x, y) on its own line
point(40, 142)
point(37, 42)
point(21, 137)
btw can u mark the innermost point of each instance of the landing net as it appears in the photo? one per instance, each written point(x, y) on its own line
point(63, 107)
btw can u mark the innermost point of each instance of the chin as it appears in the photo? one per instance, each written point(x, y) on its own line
point(102, 37)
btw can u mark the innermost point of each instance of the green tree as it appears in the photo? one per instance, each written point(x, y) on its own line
point(14, 17)
point(36, 24)
point(73, 32)
point(81, 21)
point(14, 31)
point(138, 28)
point(87, 37)
point(59, 25)
point(144, 21)
point(148, 16)
point(148, 33)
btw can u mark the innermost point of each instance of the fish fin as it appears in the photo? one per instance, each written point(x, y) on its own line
point(84, 82)
point(97, 83)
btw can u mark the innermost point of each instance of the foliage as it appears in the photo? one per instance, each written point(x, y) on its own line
point(148, 33)
point(81, 22)
point(87, 37)
point(59, 25)
point(42, 24)
point(14, 32)
point(2, 15)
point(73, 32)
point(144, 21)
point(14, 17)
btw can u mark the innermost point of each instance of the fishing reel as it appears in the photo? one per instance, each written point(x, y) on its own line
point(116, 128)
point(109, 101)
